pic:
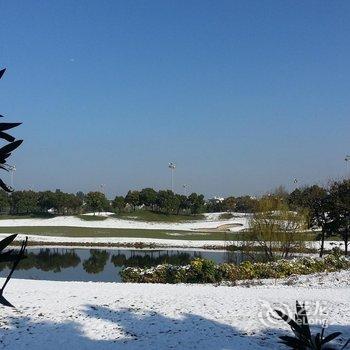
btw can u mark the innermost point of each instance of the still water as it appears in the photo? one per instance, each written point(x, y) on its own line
point(103, 265)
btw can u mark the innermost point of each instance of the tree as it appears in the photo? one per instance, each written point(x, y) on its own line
point(275, 229)
point(4, 201)
point(24, 202)
point(339, 210)
point(229, 204)
point(73, 204)
point(196, 203)
point(133, 198)
point(246, 204)
point(118, 203)
point(167, 201)
point(183, 203)
point(80, 195)
point(316, 201)
point(148, 197)
point(96, 201)
point(46, 201)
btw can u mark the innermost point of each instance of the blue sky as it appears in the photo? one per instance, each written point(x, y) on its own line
point(243, 95)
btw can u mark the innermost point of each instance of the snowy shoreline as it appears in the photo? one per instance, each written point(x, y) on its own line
point(150, 242)
point(97, 315)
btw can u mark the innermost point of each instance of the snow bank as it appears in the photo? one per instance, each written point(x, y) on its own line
point(94, 316)
point(111, 222)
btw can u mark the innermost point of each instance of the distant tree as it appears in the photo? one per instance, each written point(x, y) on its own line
point(246, 204)
point(80, 195)
point(281, 193)
point(46, 201)
point(118, 203)
point(214, 205)
point(133, 198)
point(4, 201)
point(73, 204)
point(184, 204)
point(229, 204)
point(167, 201)
point(196, 203)
point(96, 201)
point(339, 210)
point(148, 197)
point(24, 202)
point(316, 201)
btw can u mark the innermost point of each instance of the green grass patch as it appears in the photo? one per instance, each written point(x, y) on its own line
point(67, 231)
point(151, 216)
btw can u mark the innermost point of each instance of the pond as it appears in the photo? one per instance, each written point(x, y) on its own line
point(103, 265)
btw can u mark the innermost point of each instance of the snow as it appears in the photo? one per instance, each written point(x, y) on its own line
point(86, 315)
point(240, 221)
point(100, 213)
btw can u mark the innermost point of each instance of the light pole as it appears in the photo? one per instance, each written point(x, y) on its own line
point(172, 167)
point(11, 169)
point(347, 160)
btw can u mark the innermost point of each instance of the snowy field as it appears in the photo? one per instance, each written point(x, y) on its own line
point(211, 221)
point(87, 315)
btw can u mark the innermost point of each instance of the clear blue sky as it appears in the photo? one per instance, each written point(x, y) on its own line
point(242, 95)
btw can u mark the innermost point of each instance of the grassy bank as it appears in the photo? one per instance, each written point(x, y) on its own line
point(66, 231)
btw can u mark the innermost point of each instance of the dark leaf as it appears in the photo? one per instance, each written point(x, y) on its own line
point(10, 147)
point(292, 342)
point(7, 126)
point(5, 187)
point(7, 137)
point(3, 301)
point(2, 71)
point(330, 337)
point(7, 241)
point(295, 327)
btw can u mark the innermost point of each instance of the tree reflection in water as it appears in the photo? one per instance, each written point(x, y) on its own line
point(97, 261)
point(152, 259)
point(47, 260)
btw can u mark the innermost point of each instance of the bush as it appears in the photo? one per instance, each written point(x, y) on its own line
point(207, 271)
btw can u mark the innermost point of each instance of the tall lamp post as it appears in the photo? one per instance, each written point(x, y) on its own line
point(172, 167)
point(347, 160)
point(11, 169)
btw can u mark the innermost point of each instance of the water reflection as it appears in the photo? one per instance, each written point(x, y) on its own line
point(47, 260)
point(64, 264)
point(97, 261)
point(152, 259)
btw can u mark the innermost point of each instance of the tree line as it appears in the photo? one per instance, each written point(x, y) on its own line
point(61, 203)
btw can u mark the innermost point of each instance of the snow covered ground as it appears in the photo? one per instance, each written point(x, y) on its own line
point(211, 221)
point(87, 315)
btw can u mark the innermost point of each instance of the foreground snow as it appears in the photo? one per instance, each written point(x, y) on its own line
point(211, 221)
point(86, 315)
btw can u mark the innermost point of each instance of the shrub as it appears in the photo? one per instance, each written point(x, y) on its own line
point(207, 271)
